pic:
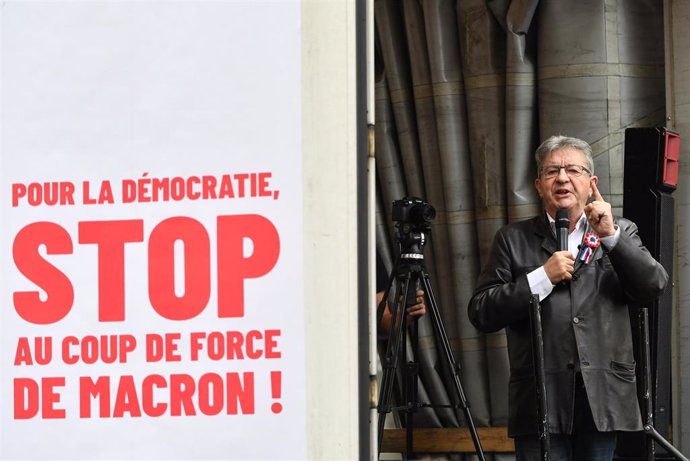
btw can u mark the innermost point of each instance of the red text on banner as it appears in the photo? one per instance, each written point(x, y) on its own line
point(110, 237)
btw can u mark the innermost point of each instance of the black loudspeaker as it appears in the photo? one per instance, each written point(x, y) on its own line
point(650, 177)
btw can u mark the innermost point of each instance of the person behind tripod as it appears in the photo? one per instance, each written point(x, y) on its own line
point(584, 294)
point(414, 311)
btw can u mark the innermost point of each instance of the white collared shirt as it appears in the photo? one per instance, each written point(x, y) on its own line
point(539, 282)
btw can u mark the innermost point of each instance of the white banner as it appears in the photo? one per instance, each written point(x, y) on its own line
point(151, 210)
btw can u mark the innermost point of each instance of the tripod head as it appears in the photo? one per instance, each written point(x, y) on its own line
point(411, 244)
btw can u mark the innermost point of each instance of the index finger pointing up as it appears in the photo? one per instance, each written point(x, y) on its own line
point(597, 195)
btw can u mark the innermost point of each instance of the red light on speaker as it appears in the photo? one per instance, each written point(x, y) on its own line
point(671, 157)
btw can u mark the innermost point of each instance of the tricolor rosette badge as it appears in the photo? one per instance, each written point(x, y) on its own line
point(592, 242)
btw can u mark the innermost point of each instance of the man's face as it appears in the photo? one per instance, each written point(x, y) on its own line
point(565, 190)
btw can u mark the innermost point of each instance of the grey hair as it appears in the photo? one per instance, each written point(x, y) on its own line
point(558, 142)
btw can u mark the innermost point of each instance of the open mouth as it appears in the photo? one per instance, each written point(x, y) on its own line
point(562, 192)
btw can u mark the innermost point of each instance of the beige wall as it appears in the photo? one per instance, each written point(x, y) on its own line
point(330, 238)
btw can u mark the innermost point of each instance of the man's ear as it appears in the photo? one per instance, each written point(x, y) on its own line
point(537, 183)
point(593, 180)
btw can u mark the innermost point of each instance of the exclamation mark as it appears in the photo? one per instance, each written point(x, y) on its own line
point(276, 386)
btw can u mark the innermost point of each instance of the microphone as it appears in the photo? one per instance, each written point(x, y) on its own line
point(562, 225)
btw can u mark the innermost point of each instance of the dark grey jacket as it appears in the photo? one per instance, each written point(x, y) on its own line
point(585, 323)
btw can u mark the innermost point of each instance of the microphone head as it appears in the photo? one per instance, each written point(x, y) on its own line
point(562, 220)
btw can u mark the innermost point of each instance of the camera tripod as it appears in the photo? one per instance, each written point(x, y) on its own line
point(410, 272)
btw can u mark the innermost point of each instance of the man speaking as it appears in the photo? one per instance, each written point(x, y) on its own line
point(584, 293)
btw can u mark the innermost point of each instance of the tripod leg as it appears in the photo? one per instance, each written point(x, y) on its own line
point(648, 407)
point(393, 350)
point(412, 375)
point(452, 366)
point(651, 432)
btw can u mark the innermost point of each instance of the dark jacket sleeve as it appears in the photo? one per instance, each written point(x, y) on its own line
point(642, 277)
point(501, 296)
